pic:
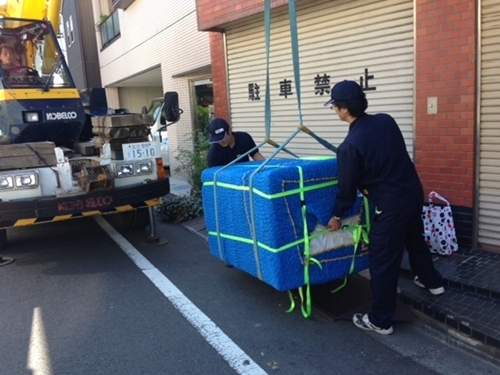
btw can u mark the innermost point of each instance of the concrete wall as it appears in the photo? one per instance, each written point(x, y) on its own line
point(134, 98)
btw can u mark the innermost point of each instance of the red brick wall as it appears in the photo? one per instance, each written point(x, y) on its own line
point(446, 69)
point(212, 13)
point(219, 75)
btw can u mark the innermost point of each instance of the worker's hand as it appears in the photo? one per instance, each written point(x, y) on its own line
point(334, 224)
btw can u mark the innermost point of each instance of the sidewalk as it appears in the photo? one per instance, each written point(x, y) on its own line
point(179, 187)
point(469, 311)
point(470, 308)
point(196, 226)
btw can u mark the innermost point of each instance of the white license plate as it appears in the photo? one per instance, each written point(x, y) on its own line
point(142, 150)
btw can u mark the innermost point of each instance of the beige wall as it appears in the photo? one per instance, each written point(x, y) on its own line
point(134, 98)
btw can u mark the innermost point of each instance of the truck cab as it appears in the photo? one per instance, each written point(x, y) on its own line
point(38, 98)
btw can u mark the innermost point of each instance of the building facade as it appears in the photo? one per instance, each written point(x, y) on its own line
point(432, 64)
point(144, 48)
point(81, 47)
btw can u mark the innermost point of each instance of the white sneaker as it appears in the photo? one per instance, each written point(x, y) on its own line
point(362, 321)
point(433, 291)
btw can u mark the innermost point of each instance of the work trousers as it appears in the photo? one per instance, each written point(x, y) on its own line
point(395, 228)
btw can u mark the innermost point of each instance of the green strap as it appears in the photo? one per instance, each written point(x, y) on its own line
point(292, 302)
point(322, 141)
point(360, 232)
point(283, 194)
point(267, 99)
point(295, 53)
point(306, 306)
point(265, 246)
point(274, 144)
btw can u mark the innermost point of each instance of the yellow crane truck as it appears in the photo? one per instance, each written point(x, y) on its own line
point(42, 178)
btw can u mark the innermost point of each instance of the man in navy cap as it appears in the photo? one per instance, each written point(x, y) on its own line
point(373, 159)
point(227, 145)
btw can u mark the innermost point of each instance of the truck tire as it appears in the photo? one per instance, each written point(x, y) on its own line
point(3, 238)
point(136, 219)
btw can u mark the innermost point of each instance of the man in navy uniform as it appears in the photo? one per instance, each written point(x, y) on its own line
point(227, 145)
point(373, 159)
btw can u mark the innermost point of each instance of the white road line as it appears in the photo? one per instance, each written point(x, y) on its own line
point(234, 356)
point(38, 352)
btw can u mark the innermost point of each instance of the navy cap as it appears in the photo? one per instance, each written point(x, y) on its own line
point(345, 90)
point(218, 129)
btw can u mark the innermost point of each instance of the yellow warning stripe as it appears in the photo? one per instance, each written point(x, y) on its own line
point(91, 213)
point(28, 93)
point(127, 207)
point(24, 222)
point(62, 217)
point(153, 202)
point(124, 208)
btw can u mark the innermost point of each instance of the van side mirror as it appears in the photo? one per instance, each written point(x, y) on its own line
point(171, 106)
point(144, 110)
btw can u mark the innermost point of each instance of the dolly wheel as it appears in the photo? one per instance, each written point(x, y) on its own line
point(5, 260)
point(3, 238)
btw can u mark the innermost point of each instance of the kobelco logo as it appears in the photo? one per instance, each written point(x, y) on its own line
point(61, 116)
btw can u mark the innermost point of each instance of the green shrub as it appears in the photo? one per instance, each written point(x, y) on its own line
point(203, 119)
point(193, 162)
point(179, 208)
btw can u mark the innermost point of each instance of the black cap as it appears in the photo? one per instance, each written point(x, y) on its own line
point(345, 90)
point(218, 129)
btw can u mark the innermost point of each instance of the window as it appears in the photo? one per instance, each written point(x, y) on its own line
point(68, 40)
point(110, 29)
point(70, 35)
point(204, 97)
point(47, 68)
point(71, 32)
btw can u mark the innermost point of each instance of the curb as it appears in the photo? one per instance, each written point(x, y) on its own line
point(456, 339)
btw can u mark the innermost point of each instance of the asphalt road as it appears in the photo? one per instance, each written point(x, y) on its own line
point(87, 297)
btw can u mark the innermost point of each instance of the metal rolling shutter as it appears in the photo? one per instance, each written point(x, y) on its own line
point(489, 150)
point(336, 38)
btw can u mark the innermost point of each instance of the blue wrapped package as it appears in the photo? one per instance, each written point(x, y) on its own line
point(263, 220)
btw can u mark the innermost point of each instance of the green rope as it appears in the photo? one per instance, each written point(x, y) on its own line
point(251, 199)
point(216, 206)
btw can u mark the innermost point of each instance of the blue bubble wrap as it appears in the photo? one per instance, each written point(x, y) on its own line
point(273, 249)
